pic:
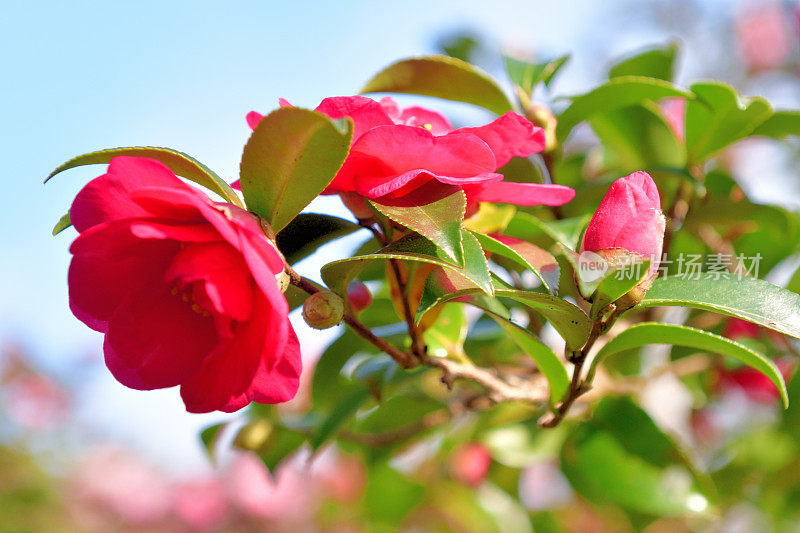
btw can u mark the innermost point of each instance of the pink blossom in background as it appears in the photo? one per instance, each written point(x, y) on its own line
point(201, 503)
point(764, 37)
point(112, 478)
point(470, 463)
point(753, 383)
point(35, 401)
point(288, 496)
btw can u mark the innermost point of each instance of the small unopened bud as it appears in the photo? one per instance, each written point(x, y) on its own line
point(358, 295)
point(323, 310)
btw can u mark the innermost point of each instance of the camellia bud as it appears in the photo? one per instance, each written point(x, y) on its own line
point(470, 464)
point(323, 310)
point(628, 226)
point(358, 295)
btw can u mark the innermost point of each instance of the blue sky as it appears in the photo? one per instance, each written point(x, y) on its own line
point(80, 76)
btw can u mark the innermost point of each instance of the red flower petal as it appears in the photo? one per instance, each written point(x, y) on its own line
point(387, 158)
point(156, 339)
point(222, 275)
point(365, 112)
point(106, 198)
point(511, 135)
point(509, 192)
point(227, 374)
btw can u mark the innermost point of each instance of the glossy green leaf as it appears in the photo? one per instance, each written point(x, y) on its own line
point(439, 220)
point(549, 364)
point(62, 224)
point(341, 413)
point(719, 117)
point(282, 443)
point(751, 299)
point(447, 335)
point(543, 233)
point(181, 164)
point(525, 254)
point(526, 75)
point(654, 333)
point(292, 155)
point(338, 274)
point(638, 137)
point(654, 63)
point(209, 437)
point(616, 284)
point(599, 468)
point(615, 94)
point(308, 231)
point(442, 77)
point(779, 125)
point(622, 458)
point(569, 320)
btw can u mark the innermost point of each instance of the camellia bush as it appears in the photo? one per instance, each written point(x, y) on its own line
point(516, 283)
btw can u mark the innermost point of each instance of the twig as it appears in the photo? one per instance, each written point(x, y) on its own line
point(402, 358)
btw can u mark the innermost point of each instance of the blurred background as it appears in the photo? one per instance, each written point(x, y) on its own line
point(78, 451)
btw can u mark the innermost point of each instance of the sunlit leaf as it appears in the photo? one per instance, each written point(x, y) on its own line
point(443, 77)
point(292, 155)
point(181, 164)
point(615, 94)
point(654, 63)
point(654, 333)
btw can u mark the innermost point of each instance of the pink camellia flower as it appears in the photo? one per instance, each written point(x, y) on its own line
point(753, 383)
point(183, 288)
point(396, 151)
point(470, 464)
point(764, 36)
point(736, 328)
point(628, 225)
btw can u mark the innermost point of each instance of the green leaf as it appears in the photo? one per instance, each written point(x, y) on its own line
point(616, 284)
point(605, 469)
point(570, 322)
point(390, 496)
point(719, 117)
point(526, 75)
point(654, 63)
point(615, 94)
point(338, 274)
point(62, 224)
point(543, 233)
point(546, 359)
point(447, 335)
point(751, 299)
point(308, 231)
point(639, 138)
point(438, 219)
point(282, 443)
point(781, 124)
point(292, 155)
point(209, 438)
point(180, 163)
point(341, 412)
point(525, 254)
point(655, 333)
point(442, 77)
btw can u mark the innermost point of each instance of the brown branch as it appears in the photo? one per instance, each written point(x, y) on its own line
point(402, 358)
